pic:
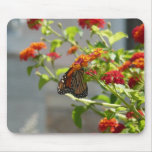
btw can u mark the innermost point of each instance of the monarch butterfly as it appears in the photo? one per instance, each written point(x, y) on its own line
point(73, 83)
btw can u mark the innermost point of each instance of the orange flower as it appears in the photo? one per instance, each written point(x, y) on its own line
point(27, 53)
point(82, 60)
point(38, 45)
point(110, 124)
point(139, 63)
point(97, 53)
point(138, 33)
point(125, 66)
point(72, 50)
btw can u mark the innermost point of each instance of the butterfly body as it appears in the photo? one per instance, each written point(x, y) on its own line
point(72, 82)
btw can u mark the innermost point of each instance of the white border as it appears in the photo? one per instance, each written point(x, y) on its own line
point(74, 9)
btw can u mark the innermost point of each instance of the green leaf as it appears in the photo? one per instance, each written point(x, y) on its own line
point(56, 43)
point(61, 70)
point(45, 30)
point(109, 114)
point(107, 33)
point(71, 32)
point(116, 37)
point(76, 115)
point(121, 109)
point(102, 98)
point(29, 70)
point(44, 78)
point(142, 125)
point(113, 98)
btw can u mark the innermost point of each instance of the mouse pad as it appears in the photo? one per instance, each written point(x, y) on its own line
point(75, 76)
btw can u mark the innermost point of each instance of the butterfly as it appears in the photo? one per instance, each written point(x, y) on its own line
point(72, 82)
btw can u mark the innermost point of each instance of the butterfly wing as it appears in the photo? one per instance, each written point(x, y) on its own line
point(64, 85)
point(72, 82)
point(80, 88)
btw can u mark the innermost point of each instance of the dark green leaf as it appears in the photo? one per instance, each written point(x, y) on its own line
point(109, 114)
point(113, 98)
point(43, 80)
point(76, 115)
point(29, 70)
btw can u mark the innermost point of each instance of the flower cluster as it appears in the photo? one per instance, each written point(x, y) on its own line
point(110, 125)
point(82, 60)
point(113, 77)
point(34, 23)
point(27, 53)
point(31, 50)
point(125, 66)
point(72, 50)
point(53, 55)
point(137, 60)
point(137, 55)
point(88, 23)
point(133, 81)
point(38, 45)
point(130, 114)
point(138, 33)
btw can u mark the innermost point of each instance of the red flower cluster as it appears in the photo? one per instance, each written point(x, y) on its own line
point(88, 23)
point(31, 50)
point(133, 81)
point(130, 114)
point(110, 125)
point(137, 55)
point(113, 77)
point(91, 72)
point(34, 23)
point(53, 55)
point(138, 33)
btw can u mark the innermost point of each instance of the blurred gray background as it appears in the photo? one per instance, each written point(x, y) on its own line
point(32, 111)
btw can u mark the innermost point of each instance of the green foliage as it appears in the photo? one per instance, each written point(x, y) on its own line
point(44, 78)
point(116, 37)
point(61, 71)
point(102, 98)
point(113, 98)
point(29, 70)
point(76, 115)
point(55, 44)
point(109, 114)
point(70, 32)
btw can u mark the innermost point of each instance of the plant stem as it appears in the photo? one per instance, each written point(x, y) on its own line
point(50, 73)
point(96, 111)
point(103, 40)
